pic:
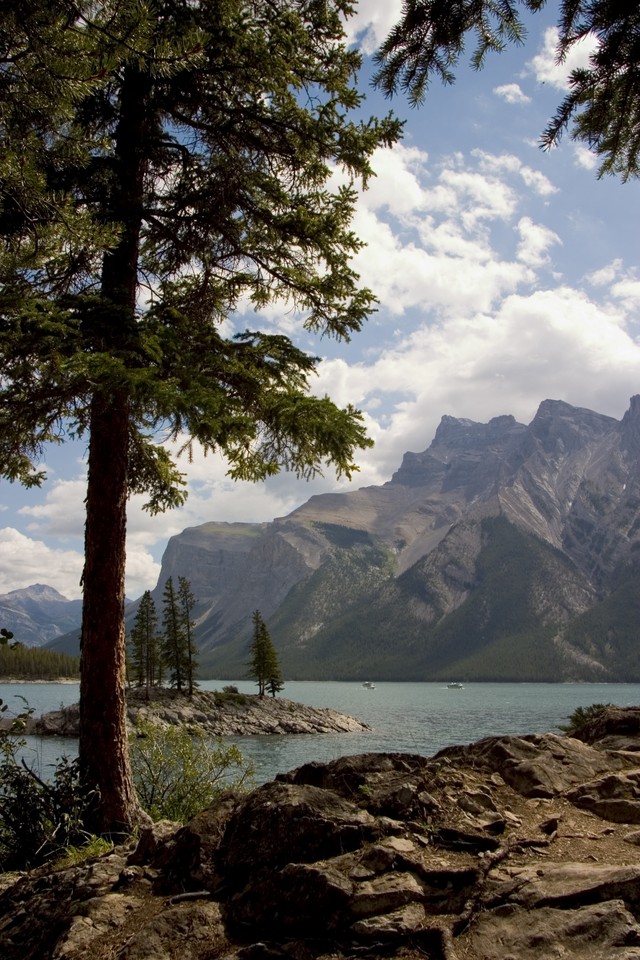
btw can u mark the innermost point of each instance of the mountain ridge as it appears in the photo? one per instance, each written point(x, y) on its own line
point(475, 560)
point(38, 614)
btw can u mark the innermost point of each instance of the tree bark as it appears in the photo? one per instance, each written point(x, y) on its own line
point(103, 751)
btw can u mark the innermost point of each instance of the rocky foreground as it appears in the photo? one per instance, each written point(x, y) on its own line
point(513, 848)
point(221, 715)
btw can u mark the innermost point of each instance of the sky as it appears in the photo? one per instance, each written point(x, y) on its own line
point(505, 276)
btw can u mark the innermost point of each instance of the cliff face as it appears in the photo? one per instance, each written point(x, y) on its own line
point(503, 551)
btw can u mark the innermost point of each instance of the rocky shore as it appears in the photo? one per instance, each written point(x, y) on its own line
point(221, 714)
point(512, 848)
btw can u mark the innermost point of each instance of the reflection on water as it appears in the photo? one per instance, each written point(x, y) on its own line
point(407, 717)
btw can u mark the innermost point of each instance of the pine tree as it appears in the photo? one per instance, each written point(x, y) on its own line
point(146, 660)
point(275, 683)
point(264, 665)
point(186, 602)
point(160, 165)
point(602, 107)
point(174, 638)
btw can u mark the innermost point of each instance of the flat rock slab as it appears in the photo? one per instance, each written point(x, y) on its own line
point(603, 931)
point(538, 765)
point(564, 885)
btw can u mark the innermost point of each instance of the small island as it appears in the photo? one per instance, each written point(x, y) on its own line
point(220, 713)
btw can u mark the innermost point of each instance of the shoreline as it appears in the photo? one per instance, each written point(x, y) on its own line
point(22, 680)
point(224, 715)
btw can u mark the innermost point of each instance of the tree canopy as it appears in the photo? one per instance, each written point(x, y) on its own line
point(163, 166)
point(602, 107)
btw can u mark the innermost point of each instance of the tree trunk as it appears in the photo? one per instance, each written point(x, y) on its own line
point(104, 756)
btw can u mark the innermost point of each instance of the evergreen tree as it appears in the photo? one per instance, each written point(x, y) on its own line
point(161, 164)
point(174, 638)
point(275, 683)
point(602, 107)
point(264, 666)
point(146, 660)
point(187, 601)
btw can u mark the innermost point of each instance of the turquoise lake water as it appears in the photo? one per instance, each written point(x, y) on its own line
point(408, 717)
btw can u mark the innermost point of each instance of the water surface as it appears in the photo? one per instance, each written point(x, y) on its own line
point(409, 717)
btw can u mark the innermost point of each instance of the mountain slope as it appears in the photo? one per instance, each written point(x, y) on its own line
point(473, 561)
point(38, 614)
point(503, 551)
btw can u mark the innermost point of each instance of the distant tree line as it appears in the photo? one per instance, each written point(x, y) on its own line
point(33, 663)
point(171, 652)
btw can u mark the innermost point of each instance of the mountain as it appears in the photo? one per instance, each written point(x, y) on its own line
point(38, 614)
point(504, 551)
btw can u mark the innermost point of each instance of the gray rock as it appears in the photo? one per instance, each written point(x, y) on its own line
point(538, 765)
point(471, 864)
point(186, 931)
point(603, 931)
point(222, 717)
point(564, 884)
point(615, 797)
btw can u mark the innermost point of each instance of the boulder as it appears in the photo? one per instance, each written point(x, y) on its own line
point(538, 765)
point(603, 931)
point(615, 797)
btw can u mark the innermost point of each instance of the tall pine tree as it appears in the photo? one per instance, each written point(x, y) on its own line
point(160, 166)
point(174, 637)
point(264, 666)
point(145, 646)
point(187, 601)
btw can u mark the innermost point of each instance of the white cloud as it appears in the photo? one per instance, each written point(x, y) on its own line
point(623, 284)
point(372, 22)
point(59, 513)
point(24, 561)
point(606, 275)
point(535, 241)
point(545, 65)
point(397, 185)
point(498, 165)
point(512, 93)
point(628, 291)
point(584, 157)
point(537, 181)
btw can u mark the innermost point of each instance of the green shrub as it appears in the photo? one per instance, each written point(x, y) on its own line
point(229, 694)
point(179, 771)
point(39, 819)
point(583, 715)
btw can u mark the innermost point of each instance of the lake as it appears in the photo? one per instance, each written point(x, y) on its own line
point(408, 717)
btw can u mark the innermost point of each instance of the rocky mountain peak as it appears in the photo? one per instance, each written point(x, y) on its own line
point(457, 445)
point(37, 591)
point(630, 426)
point(560, 428)
point(456, 432)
